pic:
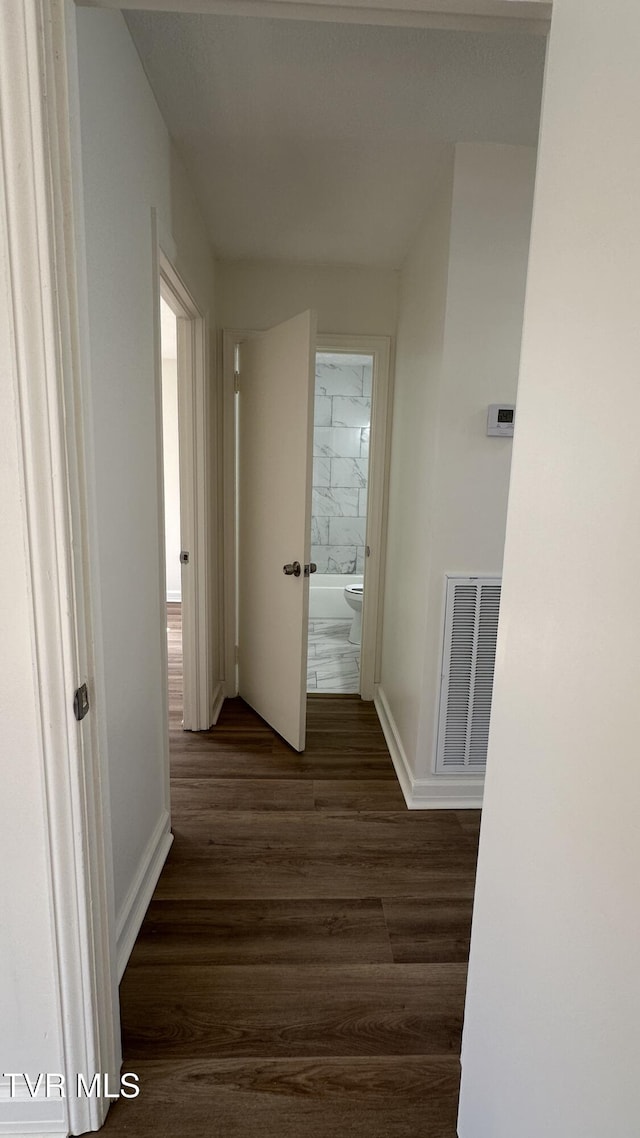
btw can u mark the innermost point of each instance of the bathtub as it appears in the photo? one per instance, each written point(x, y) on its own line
point(326, 595)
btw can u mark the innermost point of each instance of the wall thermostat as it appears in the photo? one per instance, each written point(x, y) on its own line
point(500, 419)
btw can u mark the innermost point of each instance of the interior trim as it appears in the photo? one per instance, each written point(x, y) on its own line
point(532, 16)
point(141, 890)
point(435, 793)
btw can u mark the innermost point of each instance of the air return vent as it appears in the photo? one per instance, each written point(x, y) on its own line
point(470, 629)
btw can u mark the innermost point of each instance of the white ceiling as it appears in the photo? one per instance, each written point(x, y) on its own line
point(322, 142)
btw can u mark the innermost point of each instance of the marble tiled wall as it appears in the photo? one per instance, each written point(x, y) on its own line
point(340, 463)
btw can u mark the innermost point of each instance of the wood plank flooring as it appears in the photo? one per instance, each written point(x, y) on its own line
point(301, 969)
point(174, 648)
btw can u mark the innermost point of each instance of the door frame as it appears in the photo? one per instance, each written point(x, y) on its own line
point(193, 435)
point(379, 347)
point(48, 363)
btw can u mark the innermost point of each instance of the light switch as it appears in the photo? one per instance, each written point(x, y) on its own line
point(500, 419)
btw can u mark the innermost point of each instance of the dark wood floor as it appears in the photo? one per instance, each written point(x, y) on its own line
point(301, 969)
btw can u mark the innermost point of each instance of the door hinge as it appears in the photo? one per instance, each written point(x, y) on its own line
point(80, 702)
point(236, 381)
point(237, 653)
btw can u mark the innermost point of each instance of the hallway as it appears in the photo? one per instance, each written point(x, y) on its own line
point(301, 968)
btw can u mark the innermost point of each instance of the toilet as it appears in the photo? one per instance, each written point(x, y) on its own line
point(353, 595)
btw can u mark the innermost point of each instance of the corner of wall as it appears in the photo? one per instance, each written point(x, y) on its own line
point(416, 399)
point(433, 792)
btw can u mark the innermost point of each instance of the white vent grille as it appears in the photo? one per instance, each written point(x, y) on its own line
point(470, 630)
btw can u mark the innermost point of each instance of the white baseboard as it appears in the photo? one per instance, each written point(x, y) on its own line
point(174, 595)
point(217, 701)
point(20, 1113)
point(437, 792)
point(33, 1129)
point(140, 893)
point(24, 1115)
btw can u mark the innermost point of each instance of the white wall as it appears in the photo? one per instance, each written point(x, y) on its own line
point(259, 294)
point(488, 252)
point(129, 168)
point(459, 332)
point(551, 1037)
point(418, 378)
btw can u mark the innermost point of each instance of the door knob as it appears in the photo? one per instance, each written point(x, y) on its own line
point(311, 568)
point(294, 569)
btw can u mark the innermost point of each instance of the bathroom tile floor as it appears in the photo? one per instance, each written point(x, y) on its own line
point(333, 663)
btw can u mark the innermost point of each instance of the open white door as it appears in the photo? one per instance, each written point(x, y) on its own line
point(275, 433)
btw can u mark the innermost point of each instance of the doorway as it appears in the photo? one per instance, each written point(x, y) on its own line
point(356, 360)
point(171, 483)
point(342, 424)
point(184, 484)
point(364, 555)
